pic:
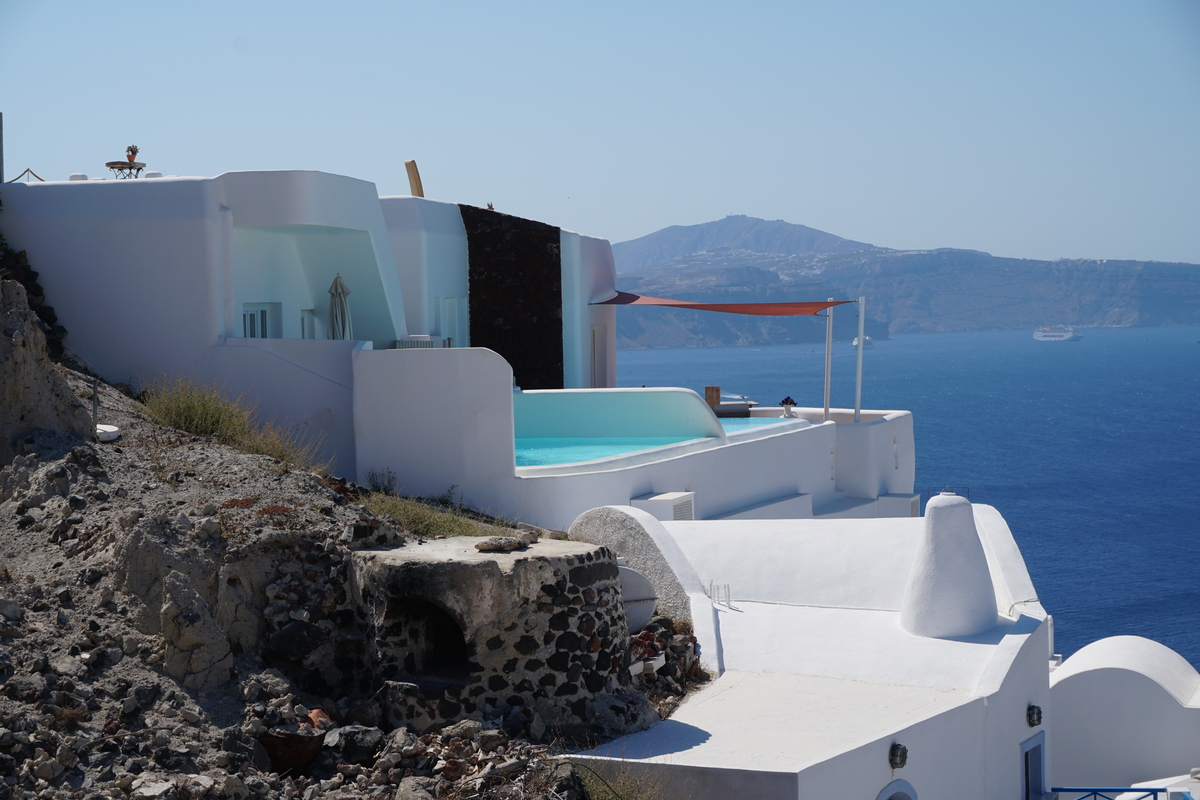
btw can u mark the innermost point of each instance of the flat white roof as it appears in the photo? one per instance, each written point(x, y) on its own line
point(853, 644)
point(779, 722)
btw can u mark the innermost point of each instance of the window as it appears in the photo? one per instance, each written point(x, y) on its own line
point(308, 323)
point(261, 320)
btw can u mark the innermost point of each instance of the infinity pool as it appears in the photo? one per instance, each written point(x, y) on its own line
point(539, 452)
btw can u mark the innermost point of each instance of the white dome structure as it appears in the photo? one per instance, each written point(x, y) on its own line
point(949, 592)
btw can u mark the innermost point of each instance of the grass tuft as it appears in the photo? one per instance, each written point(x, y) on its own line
point(205, 410)
point(421, 518)
point(619, 782)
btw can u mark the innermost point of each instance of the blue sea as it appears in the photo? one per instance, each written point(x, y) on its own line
point(1090, 450)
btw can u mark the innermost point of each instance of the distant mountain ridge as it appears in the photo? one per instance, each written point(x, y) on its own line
point(735, 232)
point(742, 259)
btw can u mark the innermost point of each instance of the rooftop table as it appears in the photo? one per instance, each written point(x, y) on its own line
point(126, 169)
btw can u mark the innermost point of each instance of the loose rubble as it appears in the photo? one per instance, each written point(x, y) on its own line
point(158, 598)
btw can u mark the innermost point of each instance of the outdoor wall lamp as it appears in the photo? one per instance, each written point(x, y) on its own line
point(898, 756)
point(1033, 715)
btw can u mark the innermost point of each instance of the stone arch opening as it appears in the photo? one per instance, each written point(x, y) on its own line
point(421, 643)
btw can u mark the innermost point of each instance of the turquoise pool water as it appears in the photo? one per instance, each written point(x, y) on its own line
point(540, 452)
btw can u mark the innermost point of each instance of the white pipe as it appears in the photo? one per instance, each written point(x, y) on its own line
point(828, 354)
point(862, 320)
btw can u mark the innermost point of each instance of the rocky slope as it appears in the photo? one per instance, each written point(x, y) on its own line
point(158, 595)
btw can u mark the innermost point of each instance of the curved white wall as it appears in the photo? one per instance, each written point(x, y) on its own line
point(336, 224)
point(766, 469)
point(598, 413)
point(1126, 710)
point(437, 417)
point(601, 282)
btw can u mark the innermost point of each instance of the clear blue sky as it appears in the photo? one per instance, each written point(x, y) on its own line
point(1027, 129)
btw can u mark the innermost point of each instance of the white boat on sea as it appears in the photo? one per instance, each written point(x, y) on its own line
point(868, 342)
point(1052, 333)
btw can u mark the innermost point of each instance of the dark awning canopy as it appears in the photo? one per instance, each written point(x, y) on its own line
point(757, 309)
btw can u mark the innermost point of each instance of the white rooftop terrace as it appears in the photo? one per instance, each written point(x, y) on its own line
point(820, 673)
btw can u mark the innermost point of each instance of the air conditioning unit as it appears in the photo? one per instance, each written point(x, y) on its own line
point(667, 506)
point(420, 342)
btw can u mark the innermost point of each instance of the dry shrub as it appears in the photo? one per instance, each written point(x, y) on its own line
point(239, 502)
point(616, 781)
point(206, 410)
point(420, 518)
point(69, 719)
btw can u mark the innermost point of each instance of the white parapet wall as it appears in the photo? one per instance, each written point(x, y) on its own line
point(1126, 710)
point(439, 418)
point(310, 386)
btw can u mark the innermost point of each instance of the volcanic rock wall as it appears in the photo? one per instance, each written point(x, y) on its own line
point(450, 633)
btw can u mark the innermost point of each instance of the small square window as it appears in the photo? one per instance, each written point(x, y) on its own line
point(261, 320)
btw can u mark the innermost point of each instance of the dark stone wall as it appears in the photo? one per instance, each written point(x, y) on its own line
point(515, 294)
point(544, 639)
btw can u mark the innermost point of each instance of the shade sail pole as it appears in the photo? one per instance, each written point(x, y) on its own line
point(862, 321)
point(828, 354)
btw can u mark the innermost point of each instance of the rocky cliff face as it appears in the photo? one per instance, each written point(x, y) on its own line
point(33, 395)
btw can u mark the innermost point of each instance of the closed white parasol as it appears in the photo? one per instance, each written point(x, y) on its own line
point(339, 310)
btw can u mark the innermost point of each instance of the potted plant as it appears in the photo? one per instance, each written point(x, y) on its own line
point(131, 153)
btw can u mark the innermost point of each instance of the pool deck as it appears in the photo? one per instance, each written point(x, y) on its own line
point(594, 452)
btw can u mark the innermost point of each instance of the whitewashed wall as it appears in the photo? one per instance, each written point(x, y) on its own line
point(336, 224)
point(601, 280)
point(130, 267)
point(877, 456)
point(429, 243)
point(588, 276)
point(306, 386)
point(970, 750)
point(437, 417)
point(445, 417)
point(1126, 710)
point(725, 478)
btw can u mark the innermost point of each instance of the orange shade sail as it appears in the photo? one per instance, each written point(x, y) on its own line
point(757, 309)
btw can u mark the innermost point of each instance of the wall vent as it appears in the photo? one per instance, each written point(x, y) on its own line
point(415, 343)
point(683, 510)
point(669, 506)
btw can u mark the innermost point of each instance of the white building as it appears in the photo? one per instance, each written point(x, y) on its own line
point(849, 626)
point(838, 642)
point(453, 308)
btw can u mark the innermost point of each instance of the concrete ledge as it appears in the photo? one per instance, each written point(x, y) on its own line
point(796, 506)
point(641, 540)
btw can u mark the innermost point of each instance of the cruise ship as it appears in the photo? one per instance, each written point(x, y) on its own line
point(1056, 334)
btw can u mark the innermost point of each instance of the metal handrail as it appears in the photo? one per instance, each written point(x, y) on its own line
point(1102, 793)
